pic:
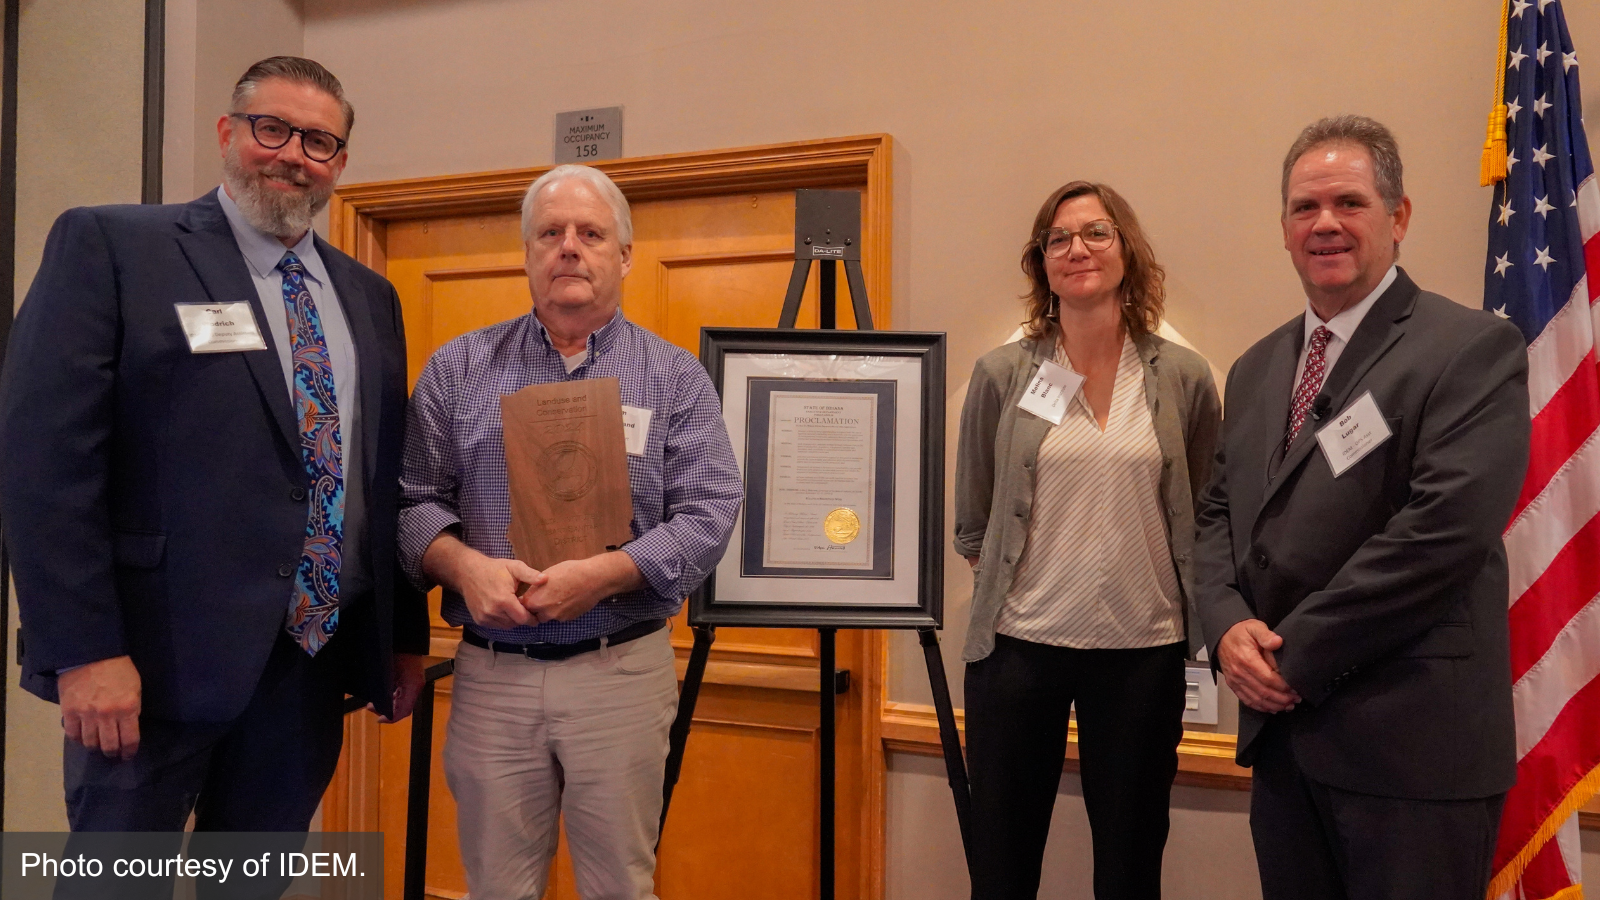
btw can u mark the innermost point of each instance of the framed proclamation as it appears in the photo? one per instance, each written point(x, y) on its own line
point(840, 438)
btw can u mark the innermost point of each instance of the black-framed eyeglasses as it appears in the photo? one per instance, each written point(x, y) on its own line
point(272, 132)
point(1097, 235)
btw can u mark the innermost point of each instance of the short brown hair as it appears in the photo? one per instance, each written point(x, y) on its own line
point(295, 69)
point(1388, 175)
point(1144, 292)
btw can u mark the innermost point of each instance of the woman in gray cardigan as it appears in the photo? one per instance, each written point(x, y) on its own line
point(1082, 449)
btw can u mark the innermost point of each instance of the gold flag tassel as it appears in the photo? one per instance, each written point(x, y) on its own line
point(1493, 167)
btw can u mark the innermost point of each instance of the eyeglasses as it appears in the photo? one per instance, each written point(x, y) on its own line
point(272, 132)
point(1097, 235)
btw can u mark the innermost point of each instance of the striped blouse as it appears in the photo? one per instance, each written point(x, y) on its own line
point(1097, 571)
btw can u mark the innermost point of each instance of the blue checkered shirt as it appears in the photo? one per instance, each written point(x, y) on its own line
point(686, 486)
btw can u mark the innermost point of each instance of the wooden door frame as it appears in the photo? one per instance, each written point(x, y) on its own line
point(359, 215)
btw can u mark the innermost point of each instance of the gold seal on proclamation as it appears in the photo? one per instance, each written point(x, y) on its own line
point(842, 525)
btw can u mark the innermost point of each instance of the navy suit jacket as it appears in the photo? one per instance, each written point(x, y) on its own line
point(1387, 583)
point(154, 498)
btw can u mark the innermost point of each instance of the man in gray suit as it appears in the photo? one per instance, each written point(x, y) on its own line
point(1351, 577)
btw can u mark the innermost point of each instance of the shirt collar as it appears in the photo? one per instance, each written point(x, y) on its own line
point(263, 251)
point(1344, 324)
point(598, 342)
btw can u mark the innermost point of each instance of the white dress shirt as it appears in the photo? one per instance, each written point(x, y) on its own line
point(1341, 327)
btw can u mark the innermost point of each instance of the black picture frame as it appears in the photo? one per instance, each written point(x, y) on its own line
point(725, 353)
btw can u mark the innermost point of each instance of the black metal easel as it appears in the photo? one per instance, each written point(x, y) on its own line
point(420, 774)
point(828, 231)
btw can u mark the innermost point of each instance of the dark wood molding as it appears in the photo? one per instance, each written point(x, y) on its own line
point(155, 98)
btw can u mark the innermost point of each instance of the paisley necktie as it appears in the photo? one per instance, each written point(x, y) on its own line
point(314, 607)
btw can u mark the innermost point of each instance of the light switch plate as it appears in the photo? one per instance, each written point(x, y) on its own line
point(1200, 696)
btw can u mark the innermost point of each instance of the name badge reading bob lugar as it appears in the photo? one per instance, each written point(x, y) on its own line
point(219, 327)
point(1353, 434)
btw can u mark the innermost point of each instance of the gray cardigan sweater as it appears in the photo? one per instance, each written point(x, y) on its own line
point(999, 445)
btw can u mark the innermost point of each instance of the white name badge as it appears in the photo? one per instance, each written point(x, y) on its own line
point(636, 428)
point(219, 327)
point(1352, 434)
point(1052, 389)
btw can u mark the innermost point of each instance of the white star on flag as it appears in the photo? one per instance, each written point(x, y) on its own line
point(1541, 155)
point(1544, 3)
point(1544, 259)
point(1501, 312)
point(1511, 160)
point(1543, 52)
point(1568, 60)
point(1517, 56)
point(1539, 106)
point(1512, 109)
point(1506, 212)
point(1520, 6)
point(1542, 206)
point(1502, 263)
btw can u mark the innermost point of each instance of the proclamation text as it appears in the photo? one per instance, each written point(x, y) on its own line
point(821, 465)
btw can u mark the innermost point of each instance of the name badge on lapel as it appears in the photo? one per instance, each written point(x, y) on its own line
point(636, 428)
point(219, 327)
point(1050, 392)
point(1353, 434)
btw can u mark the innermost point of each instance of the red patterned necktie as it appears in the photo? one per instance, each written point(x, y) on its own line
point(1310, 383)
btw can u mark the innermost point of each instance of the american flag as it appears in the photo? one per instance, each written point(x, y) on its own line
point(1541, 242)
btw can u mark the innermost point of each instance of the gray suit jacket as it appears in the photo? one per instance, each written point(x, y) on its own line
point(1388, 583)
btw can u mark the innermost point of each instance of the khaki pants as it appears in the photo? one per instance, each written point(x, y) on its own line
point(584, 738)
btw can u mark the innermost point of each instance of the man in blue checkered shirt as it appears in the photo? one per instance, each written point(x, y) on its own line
point(565, 687)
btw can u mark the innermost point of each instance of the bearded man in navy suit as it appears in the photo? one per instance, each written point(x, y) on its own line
point(200, 422)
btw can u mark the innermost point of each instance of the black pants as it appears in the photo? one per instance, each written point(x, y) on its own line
point(264, 771)
point(1130, 720)
point(1316, 842)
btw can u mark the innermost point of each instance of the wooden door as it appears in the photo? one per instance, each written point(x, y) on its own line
point(744, 816)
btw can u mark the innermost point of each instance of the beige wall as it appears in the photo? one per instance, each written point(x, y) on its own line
point(80, 95)
point(209, 44)
point(1185, 107)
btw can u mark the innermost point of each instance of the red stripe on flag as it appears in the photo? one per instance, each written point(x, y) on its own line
point(1546, 876)
point(1566, 753)
point(1591, 266)
point(1566, 586)
point(1569, 419)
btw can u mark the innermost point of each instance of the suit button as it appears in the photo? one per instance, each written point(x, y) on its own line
point(285, 570)
point(1261, 560)
point(297, 494)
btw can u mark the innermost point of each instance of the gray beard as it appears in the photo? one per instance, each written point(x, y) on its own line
point(268, 209)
